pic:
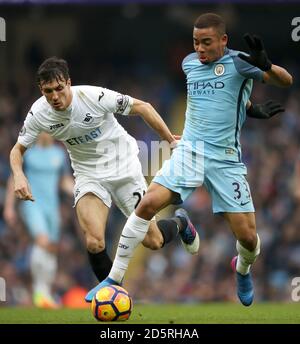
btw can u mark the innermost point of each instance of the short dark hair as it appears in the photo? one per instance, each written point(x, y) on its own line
point(211, 20)
point(53, 68)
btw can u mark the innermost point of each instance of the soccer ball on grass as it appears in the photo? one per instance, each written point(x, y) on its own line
point(112, 303)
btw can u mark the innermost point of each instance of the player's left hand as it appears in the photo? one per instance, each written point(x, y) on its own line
point(257, 55)
point(265, 110)
point(176, 139)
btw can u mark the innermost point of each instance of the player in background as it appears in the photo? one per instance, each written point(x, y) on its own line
point(47, 170)
point(295, 184)
point(103, 155)
point(219, 84)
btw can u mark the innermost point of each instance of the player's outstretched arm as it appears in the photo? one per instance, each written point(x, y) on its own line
point(152, 118)
point(264, 111)
point(273, 74)
point(278, 76)
point(22, 188)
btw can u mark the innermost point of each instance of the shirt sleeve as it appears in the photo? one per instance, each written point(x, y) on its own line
point(114, 102)
point(247, 70)
point(189, 62)
point(29, 132)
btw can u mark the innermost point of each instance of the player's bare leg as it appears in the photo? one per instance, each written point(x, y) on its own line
point(164, 231)
point(134, 232)
point(154, 239)
point(248, 247)
point(136, 228)
point(92, 215)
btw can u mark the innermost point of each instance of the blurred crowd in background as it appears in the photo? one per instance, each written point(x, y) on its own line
point(137, 50)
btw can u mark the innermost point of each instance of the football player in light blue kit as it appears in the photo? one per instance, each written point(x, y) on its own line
point(46, 168)
point(219, 84)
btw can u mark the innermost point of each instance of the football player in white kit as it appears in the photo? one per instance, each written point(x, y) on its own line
point(103, 155)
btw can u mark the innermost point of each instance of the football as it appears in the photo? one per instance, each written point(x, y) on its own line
point(112, 303)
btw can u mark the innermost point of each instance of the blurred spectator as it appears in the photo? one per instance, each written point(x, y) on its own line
point(46, 168)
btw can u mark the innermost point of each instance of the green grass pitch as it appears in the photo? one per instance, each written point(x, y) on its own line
point(214, 313)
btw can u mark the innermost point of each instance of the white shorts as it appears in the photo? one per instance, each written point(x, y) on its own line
point(124, 191)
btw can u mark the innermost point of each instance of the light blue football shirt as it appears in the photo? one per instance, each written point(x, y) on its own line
point(217, 94)
point(44, 167)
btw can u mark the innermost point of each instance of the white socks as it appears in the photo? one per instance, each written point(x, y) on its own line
point(246, 258)
point(43, 266)
point(133, 233)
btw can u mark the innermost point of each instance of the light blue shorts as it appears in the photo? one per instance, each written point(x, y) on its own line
point(40, 220)
point(225, 181)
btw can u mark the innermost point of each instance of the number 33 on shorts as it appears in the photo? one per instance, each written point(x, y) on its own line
point(242, 193)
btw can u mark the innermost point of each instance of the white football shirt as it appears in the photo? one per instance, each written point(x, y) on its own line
point(97, 144)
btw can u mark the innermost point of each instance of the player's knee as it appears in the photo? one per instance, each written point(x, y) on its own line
point(95, 244)
point(42, 241)
point(147, 208)
point(248, 240)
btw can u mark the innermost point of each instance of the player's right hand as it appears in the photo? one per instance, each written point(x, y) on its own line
point(265, 110)
point(22, 189)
